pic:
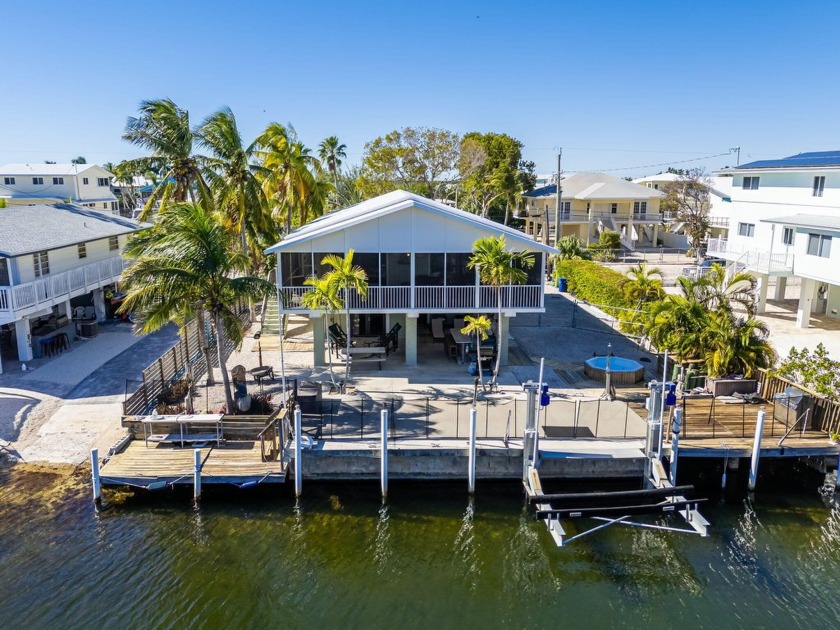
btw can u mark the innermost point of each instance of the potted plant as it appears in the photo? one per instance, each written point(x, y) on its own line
point(834, 438)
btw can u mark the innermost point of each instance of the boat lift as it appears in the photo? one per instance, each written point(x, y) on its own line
point(659, 497)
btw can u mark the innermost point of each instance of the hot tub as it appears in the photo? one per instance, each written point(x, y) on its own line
point(622, 371)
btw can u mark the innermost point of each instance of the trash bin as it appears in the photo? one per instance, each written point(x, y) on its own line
point(789, 405)
point(309, 397)
point(562, 284)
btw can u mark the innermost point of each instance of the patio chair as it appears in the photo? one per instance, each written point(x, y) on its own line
point(391, 341)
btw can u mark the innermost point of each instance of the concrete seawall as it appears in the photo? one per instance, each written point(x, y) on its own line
point(361, 461)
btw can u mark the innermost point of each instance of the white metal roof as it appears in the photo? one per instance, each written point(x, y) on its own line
point(46, 169)
point(394, 202)
point(661, 177)
point(592, 186)
point(816, 221)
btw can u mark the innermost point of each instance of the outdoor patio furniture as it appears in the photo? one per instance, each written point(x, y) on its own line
point(261, 372)
point(437, 329)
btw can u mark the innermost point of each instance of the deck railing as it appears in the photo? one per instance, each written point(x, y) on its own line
point(428, 298)
point(46, 291)
point(752, 259)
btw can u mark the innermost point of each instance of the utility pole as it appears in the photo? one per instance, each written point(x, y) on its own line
point(557, 208)
point(737, 155)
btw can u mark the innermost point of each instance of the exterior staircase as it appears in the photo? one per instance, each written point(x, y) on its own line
point(271, 316)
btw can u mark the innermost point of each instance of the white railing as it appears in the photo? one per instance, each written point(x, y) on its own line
point(719, 221)
point(50, 289)
point(428, 298)
point(752, 259)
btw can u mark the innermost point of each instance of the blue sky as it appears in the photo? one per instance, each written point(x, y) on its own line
point(619, 85)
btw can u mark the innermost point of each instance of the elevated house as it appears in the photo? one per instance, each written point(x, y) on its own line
point(87, 185)
point(593, 202)
point(783, 220)
point(57, 262)
point(415, 252)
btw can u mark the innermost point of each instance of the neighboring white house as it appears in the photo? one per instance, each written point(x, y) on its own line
point(657, 182)
point(55, 259)
point(593, 202)
point(415, 252)
point(784, 221)
point(88, 185)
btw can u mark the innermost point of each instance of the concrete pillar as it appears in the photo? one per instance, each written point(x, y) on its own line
point(833, 309)
point(504, 334)
point(806, 299)
point(781, 285)
point(655, 235)
point(411, 339)
point(99, 304)
point(318, 338)
point(24, 339)
point(761, 293)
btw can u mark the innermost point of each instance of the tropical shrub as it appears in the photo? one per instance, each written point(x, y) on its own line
point(814, 370)
point(609, 242)
point(596, 284)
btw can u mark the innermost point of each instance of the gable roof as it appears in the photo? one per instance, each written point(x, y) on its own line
point(47, 169)
point(815, 221)
point(590, 186)
point(28, 229)
point(661, 177)
point(394, 202)
point(800, 160)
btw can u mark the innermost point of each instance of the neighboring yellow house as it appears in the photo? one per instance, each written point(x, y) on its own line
point(593, 202)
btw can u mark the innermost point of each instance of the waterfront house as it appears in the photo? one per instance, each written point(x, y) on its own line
point(593, 202)
point(784, 221)
point(415, 252)
point(57, 263)
point(88, 185)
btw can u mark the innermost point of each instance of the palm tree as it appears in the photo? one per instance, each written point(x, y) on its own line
point(736, 345)
point(570, 248)
point(164, 129)
point(288, 173)
point(480, 327)
point(643, 284)
point(499, 267)
point(232, 178)
point(678, 324)
point(187, 264)
point(323, 296)
point(720, 291)
point(348, 277)
point(331, 153)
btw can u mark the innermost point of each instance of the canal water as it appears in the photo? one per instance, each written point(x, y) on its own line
point(430, 558)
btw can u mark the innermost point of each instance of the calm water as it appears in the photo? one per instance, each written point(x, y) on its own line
point(428, 559)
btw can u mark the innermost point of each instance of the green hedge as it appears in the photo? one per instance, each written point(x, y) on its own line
point(591, 282)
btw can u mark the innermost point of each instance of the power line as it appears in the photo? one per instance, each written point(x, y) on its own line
point(631, 168)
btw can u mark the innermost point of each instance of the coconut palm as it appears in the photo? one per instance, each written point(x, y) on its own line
point(736, 345)
point(721, 291)
point(322, 297)
point(164, 129)
point(643, 284)
point(499, 267)
point(186, 264)
point(231, 174)
point(288, 173)
point(480, 327)
point(347, 277)
point(331, 152)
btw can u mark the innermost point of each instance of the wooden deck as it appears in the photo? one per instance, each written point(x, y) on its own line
point(712, 428)
point(231, 463)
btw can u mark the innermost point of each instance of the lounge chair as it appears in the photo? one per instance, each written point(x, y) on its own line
point(437, 329)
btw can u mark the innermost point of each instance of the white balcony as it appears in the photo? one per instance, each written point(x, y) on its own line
point(760, 261)
point(437, 299)
point(22, 299)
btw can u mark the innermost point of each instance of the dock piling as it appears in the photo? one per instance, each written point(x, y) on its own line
point(675, 443)
point(756, 452)
point(197, 474)
point(298, 467)
point(384, 453)
point(94, 474)
point(471, 470)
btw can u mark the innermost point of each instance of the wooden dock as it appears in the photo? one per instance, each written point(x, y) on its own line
point(232, 464)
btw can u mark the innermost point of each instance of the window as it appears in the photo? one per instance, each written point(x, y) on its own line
point(565, 210)
point(82, 250)
point(58, 181)
point(105, 205)
point(787, 236)
point(85, 181)
point(101, 181)
point(42, 264)
point(640, 207)
point(746, 229)
point(819, 185)
point(9, 181)
point(37, 181)
point(819, 245)
point(429, 270)
point(4, 272)
point(750, 183)
point(613, 208)
point(113, 243)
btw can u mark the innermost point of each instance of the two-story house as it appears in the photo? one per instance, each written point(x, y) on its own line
point(593, 202)
point(416, 254)
point(88, 185)
point(784, 221)
point(57, 262)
